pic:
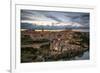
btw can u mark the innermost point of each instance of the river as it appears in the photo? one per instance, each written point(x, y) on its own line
point(84, 56)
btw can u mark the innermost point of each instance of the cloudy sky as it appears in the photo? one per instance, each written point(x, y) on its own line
point(55, 18)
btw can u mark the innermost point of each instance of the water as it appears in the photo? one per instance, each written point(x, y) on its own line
point(85, 56)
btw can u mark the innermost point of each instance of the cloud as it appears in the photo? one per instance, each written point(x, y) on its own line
point(73, 18)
